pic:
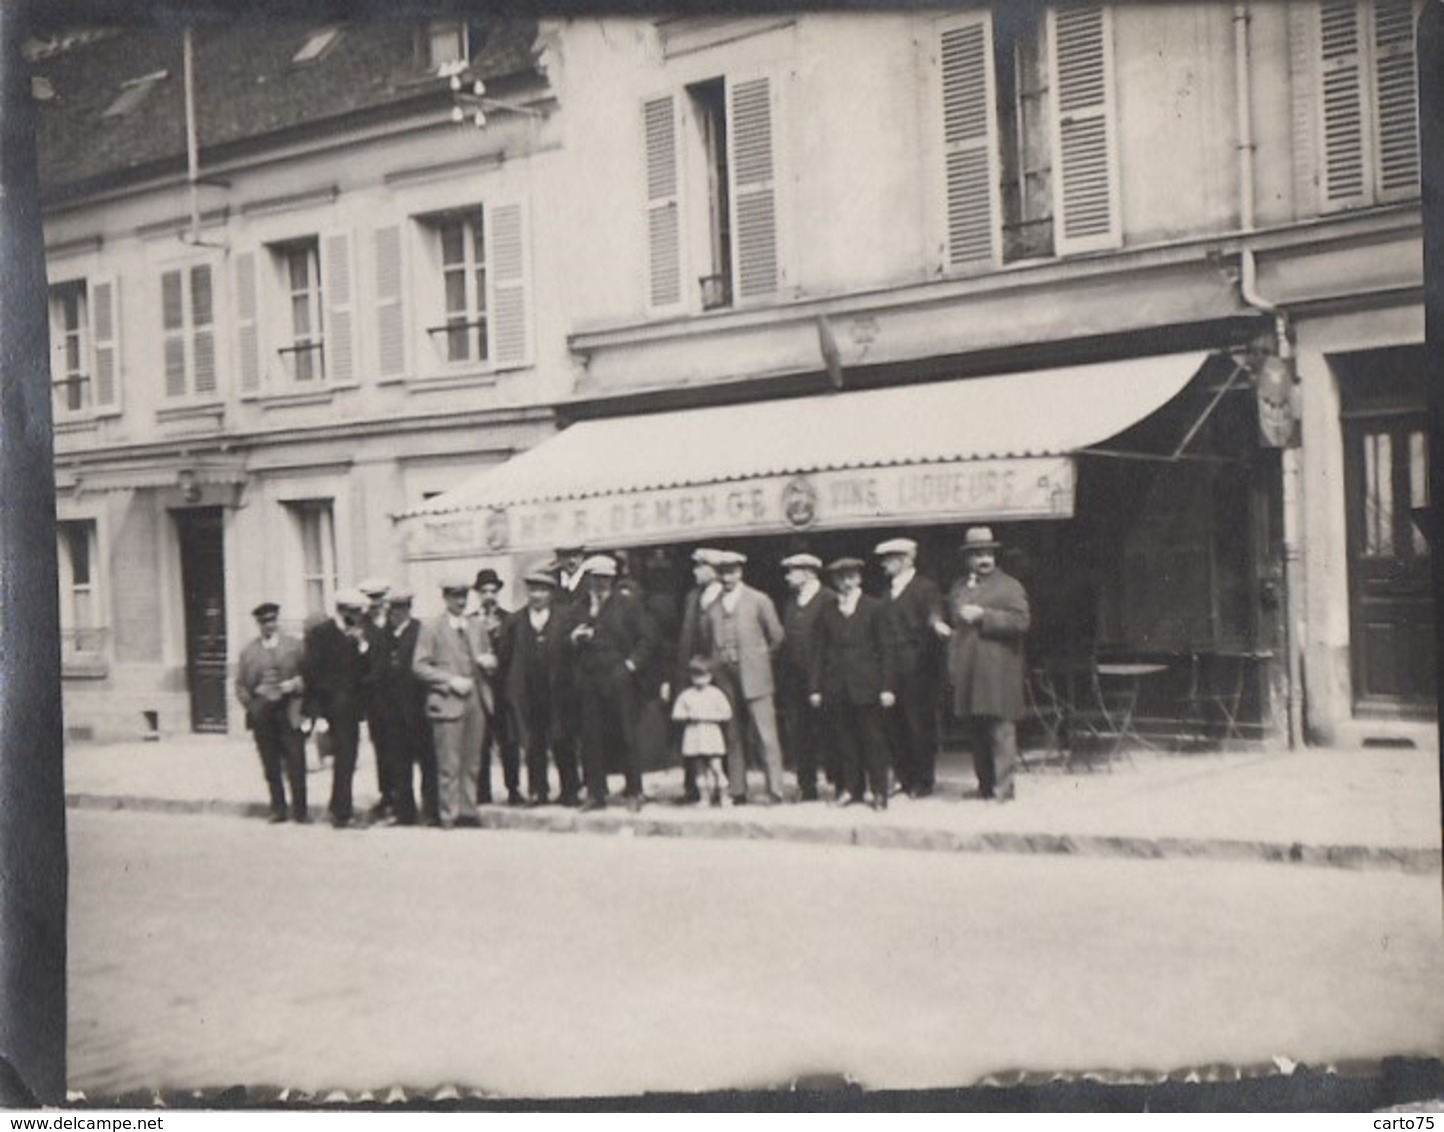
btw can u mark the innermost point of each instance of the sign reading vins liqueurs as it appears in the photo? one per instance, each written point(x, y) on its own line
point(953, 492)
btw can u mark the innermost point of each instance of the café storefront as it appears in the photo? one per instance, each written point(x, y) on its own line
point(1133, 498)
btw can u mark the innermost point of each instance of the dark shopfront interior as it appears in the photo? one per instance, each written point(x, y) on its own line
point(1166, 561)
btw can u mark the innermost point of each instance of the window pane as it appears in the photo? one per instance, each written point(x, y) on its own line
point(457, 344)
point(301, 316)
point(1378, 496)
point(1419, 484)
point(456, 293)
point(170, 300)
point(300, 263)
point(453, 245)
point(78, 537)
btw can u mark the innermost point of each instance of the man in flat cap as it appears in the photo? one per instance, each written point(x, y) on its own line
point(852, 679)
point(804, 738)
point(914, 606)
point(375, 590)
point(693, 640)
point(571, 580)
point(989, 618)
point(537, 649)
point(269, 685)
point(745, 633)
point(401, 732)
point(337, 675)
point(502, 727)
point(613, 642)
point(453, 659)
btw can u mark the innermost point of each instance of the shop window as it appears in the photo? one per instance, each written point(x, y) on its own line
point(712, 203)
point(84, 362)
point(1027, 153)
point(1367, 102)
point(316, 529)
point(188, 331)
point(83, 633)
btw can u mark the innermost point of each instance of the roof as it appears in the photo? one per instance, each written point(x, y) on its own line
point(1042, 413)
point(248, 88)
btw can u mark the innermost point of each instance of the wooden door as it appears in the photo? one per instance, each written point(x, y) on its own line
point(201, 535)
point(1391, 602)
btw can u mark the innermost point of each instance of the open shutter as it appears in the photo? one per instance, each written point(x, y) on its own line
point(172, 320)
point(664, 222)
point(203, 329)
point(248, 330)
point(1086, 213)
point(969, 114)
point(105, 343)
point(1346, 179)
point(1303, 80)
point(390, 333)
point(1396, 99)
point(752, 165)
point(507, 272)
point(337, 288)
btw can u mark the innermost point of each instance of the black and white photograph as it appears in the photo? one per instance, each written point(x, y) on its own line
point(721, 558)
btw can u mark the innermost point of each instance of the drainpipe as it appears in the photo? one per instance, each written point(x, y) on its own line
point(1291, 458)
point(193, 161)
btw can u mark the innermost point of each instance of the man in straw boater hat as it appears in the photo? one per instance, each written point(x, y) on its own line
point(851, 680)
point(454, 660)
point(269, 685)
point(989, 618)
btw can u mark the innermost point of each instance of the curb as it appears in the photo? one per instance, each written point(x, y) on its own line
point(1357, 857)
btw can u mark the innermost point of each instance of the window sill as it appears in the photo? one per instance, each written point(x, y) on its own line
point(462, 379)
point(323, 395)
point(191, 412)
point(85, 668)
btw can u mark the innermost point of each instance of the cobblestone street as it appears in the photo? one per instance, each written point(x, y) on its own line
point(213, 950)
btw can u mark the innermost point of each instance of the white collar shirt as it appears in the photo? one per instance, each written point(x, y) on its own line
point(848, 602)
point(539, 618)
point(810, 589)
point(900, 582)
point(730, 598)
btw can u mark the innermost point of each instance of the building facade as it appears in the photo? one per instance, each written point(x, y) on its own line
point(1139, 284)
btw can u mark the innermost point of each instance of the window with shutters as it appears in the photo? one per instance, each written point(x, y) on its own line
point(83, 369)
point(476, 287)
point(712, 195)
point(188, 330)
point(83, 631)
point(302, 351)
point(1027, 156)
point(293, 315)
point(1368, 102)
point(315, 530)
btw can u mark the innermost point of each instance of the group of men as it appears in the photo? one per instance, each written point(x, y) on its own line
point(841, 685)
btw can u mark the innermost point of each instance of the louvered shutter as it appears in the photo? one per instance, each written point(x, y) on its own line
point(390, 332)
point(1085, 162)
point(508, 277)
point(172, 319)
point(1303, 81)
point(336, 287)
point(970, 168)
point(203, 329)
point(248, 330)
point(664, 221)
point(752, 164)
point(1396, 100)
point(105, 343)
point(1346, 179)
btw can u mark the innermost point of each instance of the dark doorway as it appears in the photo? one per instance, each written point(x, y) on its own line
point(201, 534)
point(1391, 605)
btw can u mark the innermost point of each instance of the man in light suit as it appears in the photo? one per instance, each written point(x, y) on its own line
point(454, 660)
point(745, 632)
point(269, 684)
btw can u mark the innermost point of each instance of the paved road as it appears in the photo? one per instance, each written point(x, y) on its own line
point(208, 951)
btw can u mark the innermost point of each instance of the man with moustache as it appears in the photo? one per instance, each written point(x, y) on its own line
point(536, 647)
point(502, 728)
point(693, 640)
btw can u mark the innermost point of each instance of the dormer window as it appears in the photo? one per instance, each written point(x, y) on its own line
point(452, 41)
point(132, 93)
point(316, 45)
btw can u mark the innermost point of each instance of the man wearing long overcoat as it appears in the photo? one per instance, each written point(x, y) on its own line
point(989, 618)
point(692, 641)
point(914, 607)
point(537, 657)
point(402, 734)
point(337, 672)
point(804, 734)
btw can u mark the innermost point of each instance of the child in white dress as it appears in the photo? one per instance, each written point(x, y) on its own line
point(703, 709)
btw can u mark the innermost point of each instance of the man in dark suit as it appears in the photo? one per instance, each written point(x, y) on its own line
point(535, 645)
point(454, 660)
point(803, 735)
point(375, 590)
point(269, 685)
point(989, 618)
point(568, 601)
point(693, 641)
point(400, 731)
point(336, 673)
point(851, 677)
point(613, 641)
point(915, 622)
point(502, 727)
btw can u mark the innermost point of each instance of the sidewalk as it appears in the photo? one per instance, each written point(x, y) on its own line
point(1360, 808)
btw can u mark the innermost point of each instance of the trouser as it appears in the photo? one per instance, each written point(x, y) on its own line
point(502, 734)
point(609, 717)
point(858, 732)
point(534, 730)
point(804, 735)
point(995, 754)
point(385, 770)
point(282, 748)
point(345, 731)
point(403, 742)
point(566, 730)
point(458, 744)
point(913, 731)
point(754, 729)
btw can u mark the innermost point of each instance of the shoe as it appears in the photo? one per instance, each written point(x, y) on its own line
point(570, 801)
point(879, 802)
point(899, 788)
point(925, 790)
point(591, 805)
point(484, 799)
point(348, 823)
point(1007, 795)
point(846, 800)
point(773, 800)
point(379, 812)
point(537, 800)
point(716, 797)
point(276, 817)
point(515, 798)
point(739, 799)
point(635, 803)
point(469, 822)
point(301, 817)
point(692, 796)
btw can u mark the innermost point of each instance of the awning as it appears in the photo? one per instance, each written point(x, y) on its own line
point(982, 448)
